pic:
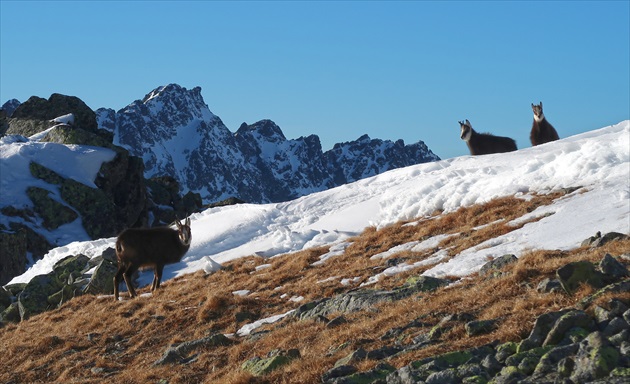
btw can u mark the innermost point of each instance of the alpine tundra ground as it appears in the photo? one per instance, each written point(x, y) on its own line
point(91, 339)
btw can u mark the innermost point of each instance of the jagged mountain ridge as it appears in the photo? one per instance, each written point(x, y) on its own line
point(176, 134)
point(10, 106)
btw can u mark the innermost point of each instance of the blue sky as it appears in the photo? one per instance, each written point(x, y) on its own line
point(394, 70)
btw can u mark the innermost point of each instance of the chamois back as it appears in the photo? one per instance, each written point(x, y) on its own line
point(484, 143)
point(542, 131)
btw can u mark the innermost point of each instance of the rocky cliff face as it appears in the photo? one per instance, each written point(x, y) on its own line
point(118, 199)
point(176, 134)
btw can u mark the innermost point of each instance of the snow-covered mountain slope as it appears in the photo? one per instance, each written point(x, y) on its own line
point(598, 162)
point(80, 163)
point(176, 134)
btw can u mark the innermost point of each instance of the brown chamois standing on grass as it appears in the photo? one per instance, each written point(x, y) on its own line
point(484, 143)
point(149, 247)
point(542, 131)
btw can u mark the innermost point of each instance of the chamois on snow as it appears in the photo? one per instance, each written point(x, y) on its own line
point(149, 247)
point(484, 143)
point(542, 131)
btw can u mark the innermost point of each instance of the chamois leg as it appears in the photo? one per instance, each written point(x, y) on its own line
point(117, 278)
point(157, 277)
point(127, 276)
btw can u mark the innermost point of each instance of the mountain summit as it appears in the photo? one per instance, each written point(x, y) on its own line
point(177, 135)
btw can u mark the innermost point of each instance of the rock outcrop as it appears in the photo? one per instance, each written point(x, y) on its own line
point(69, 278)
point(120, 200)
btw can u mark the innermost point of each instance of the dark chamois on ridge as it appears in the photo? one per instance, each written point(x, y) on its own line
point(484, 143)
point(149, 247)
point(542, 131)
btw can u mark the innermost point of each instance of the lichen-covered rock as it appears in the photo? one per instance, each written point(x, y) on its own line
point(544, 323)
point(340, 371)
point(262, 366)
point(70, 267)
point(192, 202)
point(5, 299)
point(64, 294)
point(505, 350)
point(97, 210)
point(404, 375)
point(15, 289)
point(579, 272)
point(532, 355)
point(25, 126)
point(595, 359)
point(493, 268)
point(367, 298)
point(569, 320)
point(11, 314)
point(598, 240)
point(383, 352)
point(13, 254)
point(348, 302)
point(549, 286)
point(41, 172)
point(549, 362)
point(374, 375)
point(478, 327)
point(591, 240)
point(509, 375)
point(615, 326)
point(421, 283)
point(178, 353)
point(34, 298)
point(36, 244)
point(64, 134)
point(621, 286)
point(53, 213)
point(101, 281)
point(621, 372)
point(612, 268)
point(168, 203)
point(122, 179)
point(37, 108)
point(445, 376)
point(354, 357)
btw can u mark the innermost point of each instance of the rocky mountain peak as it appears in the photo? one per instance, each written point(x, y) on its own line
point(10, 106)
point(264, 129)
point(172, 103)
point(177, 135)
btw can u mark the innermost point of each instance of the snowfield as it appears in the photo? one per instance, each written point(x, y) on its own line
point(598, 162)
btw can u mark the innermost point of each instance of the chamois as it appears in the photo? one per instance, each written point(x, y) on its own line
point(484, 143)
point(149, 247)
point(542, 131)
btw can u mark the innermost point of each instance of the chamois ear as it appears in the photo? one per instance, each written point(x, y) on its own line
point(468, 123)
point(188, 221)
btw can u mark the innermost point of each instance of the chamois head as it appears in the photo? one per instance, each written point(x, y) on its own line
point(466, 130)
point(538, 112)
point(185, 236)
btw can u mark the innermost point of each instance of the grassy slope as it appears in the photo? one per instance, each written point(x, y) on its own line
point(90, 338)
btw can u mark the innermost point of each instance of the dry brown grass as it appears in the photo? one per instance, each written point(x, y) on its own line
point(92, 339)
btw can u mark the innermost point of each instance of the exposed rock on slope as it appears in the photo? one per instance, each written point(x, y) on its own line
point(119, 200)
